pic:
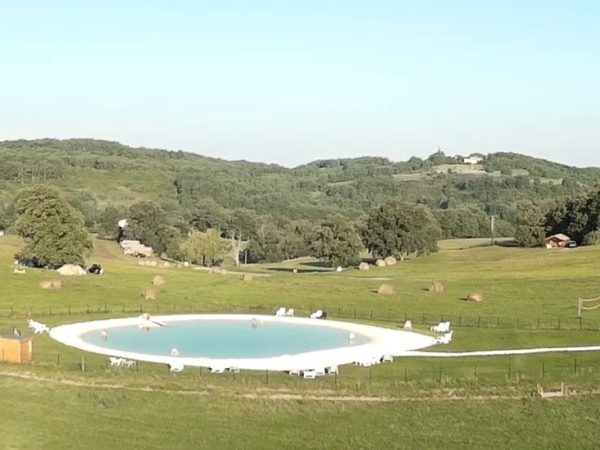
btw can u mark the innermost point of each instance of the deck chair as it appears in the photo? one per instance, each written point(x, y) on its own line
point(317, 314)
point(280, 312)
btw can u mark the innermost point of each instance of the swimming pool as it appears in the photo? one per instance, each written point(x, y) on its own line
point(240, 341)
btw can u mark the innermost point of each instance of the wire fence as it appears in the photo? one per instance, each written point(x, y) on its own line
point(373, 315)
point(577, 371)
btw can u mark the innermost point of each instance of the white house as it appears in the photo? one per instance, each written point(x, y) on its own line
point(473, 159)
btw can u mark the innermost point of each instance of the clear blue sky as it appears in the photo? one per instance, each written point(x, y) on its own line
point(290, 81)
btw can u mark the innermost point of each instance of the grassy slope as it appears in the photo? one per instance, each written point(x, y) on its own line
point(103, 419)
point(524, 284)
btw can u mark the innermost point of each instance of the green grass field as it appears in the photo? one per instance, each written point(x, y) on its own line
point(530, 300)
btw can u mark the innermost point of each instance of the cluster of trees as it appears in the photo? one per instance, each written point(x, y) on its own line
point(577, 217)
point(177, 202)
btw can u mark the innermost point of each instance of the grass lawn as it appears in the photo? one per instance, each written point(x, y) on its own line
point(530, 300)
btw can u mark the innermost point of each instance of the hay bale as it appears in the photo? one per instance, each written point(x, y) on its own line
point(51, 284)
point(71, 270)
point(151, 263)
point(158, 280)
point(166, 265)
point(246, 277)
point(149, 294)
point(141, 263)
point(380, 263)
point(385, 289)
point(363, 266)
point(390, 261)
point(475, 298)
point(436, 287)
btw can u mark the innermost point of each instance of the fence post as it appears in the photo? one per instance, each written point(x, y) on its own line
point(460, 321)
point(58, 359)
point(575, 366)
point(543, 370)
point(538, 323)
point(580, 322)
point(83, 363)
point(509, 371)
point(371, 314)
point(478, 321)
point(355, 313)
point(475, 371)
point(405, 375)
point(440, 379)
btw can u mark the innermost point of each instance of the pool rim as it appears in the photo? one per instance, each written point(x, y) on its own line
point(382, 341)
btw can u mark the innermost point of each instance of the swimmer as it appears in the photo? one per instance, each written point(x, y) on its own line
point(254, 323)
point(174, 352)
point(104, 334)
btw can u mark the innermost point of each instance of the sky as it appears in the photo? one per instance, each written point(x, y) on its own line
point(288, 82)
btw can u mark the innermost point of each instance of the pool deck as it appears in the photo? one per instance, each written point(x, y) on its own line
point(382, 341)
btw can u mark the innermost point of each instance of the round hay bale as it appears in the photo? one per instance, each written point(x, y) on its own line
point(166, 265)
point(71, 270)
point(380, 263)
point(51, 284)
point(363, 266)
point(475, 298)
point(385, 289)
point(390, 261)
point(149, 294)
point(246, 277)
point(158, 280)
point(436, 287)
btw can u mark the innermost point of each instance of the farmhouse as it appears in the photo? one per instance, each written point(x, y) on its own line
point(473, 159)
point(557, 241)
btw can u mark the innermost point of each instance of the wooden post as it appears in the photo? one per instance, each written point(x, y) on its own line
point(579, 311)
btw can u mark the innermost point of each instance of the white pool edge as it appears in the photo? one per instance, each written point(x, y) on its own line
point(382, 341)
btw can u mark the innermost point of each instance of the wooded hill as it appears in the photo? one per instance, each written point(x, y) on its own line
point(94, 174)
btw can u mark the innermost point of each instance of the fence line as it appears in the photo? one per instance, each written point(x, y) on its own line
point(389, 316)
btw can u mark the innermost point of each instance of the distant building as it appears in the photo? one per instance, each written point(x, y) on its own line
point(558, 241)
point(473, 159)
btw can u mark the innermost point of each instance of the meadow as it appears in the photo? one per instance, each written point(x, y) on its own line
point(70, 399)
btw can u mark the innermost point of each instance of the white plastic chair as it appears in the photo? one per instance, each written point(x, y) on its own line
point(280, 312)
point(317, 314)
point(290, 312)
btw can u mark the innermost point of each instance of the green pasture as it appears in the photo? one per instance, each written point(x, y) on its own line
point(530, 300)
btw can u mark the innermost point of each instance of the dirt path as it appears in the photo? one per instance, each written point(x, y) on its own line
point(438, 395)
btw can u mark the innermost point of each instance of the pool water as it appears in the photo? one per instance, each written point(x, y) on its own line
point(224, 338)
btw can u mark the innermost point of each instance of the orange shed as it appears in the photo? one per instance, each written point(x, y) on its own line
point(15, 350)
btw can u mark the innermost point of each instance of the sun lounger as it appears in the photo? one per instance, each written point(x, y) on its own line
point(290, 312)
point(408, 325)
point(37, 327)
point(317, 314)
point(280, 312)
point(442, 327)
point(310, 374)
point(176, 366)
point(387, 358)
point(116, 362)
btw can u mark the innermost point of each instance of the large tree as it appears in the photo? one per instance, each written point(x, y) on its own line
point(149, 223)
point(202, 247)
point(530, 224)
point(53, 231)
point(400, 229)
point(337, 242)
